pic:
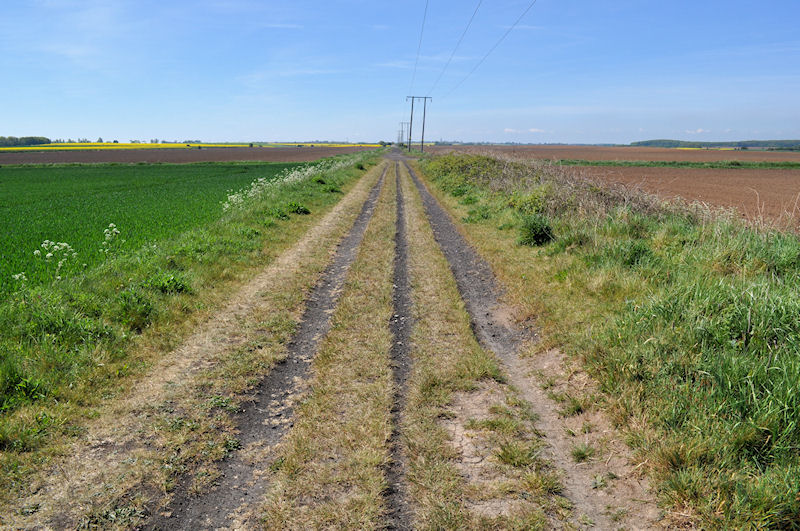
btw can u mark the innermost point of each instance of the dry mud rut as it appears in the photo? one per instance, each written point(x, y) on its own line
point(252, 480)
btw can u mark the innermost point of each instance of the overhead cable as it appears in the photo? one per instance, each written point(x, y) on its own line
point(419, 47)
point(456, 48)
point(530, 6)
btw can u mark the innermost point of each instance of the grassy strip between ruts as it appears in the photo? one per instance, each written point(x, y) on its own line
point(710, 165)
point(688, 322)
point(70, 371)
point(330, 471)
point(472, 449)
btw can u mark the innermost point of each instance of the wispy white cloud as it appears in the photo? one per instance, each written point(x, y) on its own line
point(535, 130)
point(698, 131)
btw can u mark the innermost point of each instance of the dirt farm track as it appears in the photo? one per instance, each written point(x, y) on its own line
point(176, 156)
point(767, 194)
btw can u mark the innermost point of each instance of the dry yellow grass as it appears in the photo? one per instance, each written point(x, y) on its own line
point(330, 472)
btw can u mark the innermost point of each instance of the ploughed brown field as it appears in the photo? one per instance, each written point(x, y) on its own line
point(176, 156)
point(756, 193)
point(626, 153)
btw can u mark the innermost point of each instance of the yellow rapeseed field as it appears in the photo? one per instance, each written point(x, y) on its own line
point(141, 145)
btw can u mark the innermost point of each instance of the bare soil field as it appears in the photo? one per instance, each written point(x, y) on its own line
point(177, 156)
point(768, 194)
point(625, 153)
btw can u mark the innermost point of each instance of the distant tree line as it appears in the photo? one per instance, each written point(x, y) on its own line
point(12, 141)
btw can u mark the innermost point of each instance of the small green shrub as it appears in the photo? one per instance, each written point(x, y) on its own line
point(296, 208)
point(535, 230)
point(633, 253)
point(169, 283)
point(136, 311)
point(277, 213)
point(479, 213)
point(530, 202)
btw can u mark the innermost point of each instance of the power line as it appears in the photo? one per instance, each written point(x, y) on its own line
point(456, 48)
point(419, 46)
point(530, 6)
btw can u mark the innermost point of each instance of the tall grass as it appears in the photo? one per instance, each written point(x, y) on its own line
point(693, 328)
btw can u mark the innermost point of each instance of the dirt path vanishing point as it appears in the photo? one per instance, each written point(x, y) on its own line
point(265, 420)
point(495, 331)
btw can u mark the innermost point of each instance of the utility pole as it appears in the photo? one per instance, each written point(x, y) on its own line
point(424, 112)
point(411, 122)
point(402, 137)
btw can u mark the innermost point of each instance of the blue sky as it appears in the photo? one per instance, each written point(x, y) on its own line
point(580, 71)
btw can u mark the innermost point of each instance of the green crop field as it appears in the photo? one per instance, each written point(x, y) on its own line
point(76, 204)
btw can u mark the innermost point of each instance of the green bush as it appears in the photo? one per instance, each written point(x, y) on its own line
point(297, 208)
point(277, 213)
point(535, 230)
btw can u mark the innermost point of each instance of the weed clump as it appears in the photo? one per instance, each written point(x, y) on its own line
point(535, 230)
point(297, 208)
point(278, 213)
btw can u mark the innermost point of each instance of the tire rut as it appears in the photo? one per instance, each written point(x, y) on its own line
point(482, 295)
point(265, 420)
point(399, 514)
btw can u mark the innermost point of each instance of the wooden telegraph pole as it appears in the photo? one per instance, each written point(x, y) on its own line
point(424, 113)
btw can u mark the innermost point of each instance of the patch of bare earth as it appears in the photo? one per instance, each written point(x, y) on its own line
point(121, 458)
point(601, 482)
point(496, 479)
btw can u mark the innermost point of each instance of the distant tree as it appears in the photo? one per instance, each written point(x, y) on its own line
point(12, 141)
point(116, 141)
point(99, 139)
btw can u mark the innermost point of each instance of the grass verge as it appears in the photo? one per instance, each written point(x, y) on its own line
point(77, 373)
point(685, 318)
